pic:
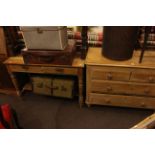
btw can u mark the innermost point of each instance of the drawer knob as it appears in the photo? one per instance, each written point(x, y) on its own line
point(109, 88)
point(146, 91)
point(150, 79)
point(142, 104)
point(109, 76)
point(107, 101)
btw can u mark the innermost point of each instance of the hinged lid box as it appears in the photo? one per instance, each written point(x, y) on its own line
point(45, 37)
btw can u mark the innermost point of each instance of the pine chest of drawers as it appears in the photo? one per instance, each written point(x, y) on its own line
point(120, 83)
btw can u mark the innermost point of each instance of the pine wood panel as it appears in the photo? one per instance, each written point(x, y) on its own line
point(43, 70)
point(95, 57)
point(124, 88)
point(143, 75)
point(121, 100)
point(110, 73)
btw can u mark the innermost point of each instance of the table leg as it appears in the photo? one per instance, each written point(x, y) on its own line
point(80, 85)
point(14, 81)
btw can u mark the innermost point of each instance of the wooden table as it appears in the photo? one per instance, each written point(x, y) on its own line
point(16, 65)
point(147, 123)
point(120, 83)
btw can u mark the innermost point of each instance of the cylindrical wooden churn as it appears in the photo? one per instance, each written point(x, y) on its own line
point(119, 41)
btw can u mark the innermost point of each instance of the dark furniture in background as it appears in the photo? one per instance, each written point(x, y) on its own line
point(84, 47)
point(14, 40)
point(6, 85)
point(11, 43)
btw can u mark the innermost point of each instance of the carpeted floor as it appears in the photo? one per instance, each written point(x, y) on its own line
point(43, 112)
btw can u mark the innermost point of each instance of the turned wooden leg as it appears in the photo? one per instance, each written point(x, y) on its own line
point(14, 81)
point(81, 100)
point(80, 85)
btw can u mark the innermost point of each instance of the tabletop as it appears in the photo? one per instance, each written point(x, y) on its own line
point(95, 57)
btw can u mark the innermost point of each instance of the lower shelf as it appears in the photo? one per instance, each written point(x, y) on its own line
point(8, 91)
point(121, 100)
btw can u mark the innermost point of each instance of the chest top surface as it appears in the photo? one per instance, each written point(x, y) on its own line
point(95, 57)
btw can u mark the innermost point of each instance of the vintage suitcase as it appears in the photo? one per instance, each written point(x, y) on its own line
point(64, 57)
point(45, 37)
point(63, 88)
point(58, 87)
point(41, 85)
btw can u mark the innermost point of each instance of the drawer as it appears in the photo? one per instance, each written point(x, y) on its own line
point(143, 75)
point(121, 100)
point(24, 68)
point(109, 73)
point(124, 88)
point(43, 69)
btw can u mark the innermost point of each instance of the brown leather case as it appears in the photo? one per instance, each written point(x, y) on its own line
point(63, 57)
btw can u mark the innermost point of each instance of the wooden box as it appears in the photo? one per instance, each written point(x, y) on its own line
point(63, 88)
point(41, 85)
point(51, 86)
point(64, 57)
point(45, 37)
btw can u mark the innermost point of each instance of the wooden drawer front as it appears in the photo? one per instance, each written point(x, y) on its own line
point(143, 75)
point(122, 100)
point(44, 70)
point(60, 70)
point(24, 68)
point(126, 88)
point(110, 73)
